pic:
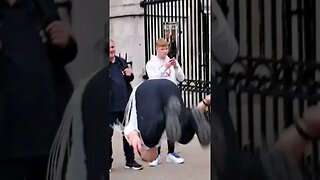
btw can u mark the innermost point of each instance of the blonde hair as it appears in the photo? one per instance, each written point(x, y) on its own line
point(161, 43)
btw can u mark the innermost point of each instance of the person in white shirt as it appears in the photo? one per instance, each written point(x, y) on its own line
point(155, 107)
point(160, 66)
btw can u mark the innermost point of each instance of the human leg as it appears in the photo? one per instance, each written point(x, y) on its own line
point(171, 146)
point(193, 121)
point(173, 156)
point(157, 160)
point(150, 116)
point(128, 150)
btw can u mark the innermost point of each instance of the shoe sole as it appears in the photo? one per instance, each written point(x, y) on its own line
point(154, 165)
point(168, 160)
point(172, 111)
point(203, 127)
point(133, 168)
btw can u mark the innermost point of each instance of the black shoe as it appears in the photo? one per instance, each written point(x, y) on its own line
point(133, 165)
point(202, 127)
point(172, 111)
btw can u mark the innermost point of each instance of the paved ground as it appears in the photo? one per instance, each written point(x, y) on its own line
point(196, 166)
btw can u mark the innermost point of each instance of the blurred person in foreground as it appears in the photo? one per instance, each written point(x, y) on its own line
point(35, 45)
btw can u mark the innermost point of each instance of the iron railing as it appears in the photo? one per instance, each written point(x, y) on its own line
point(193, 19)
point(275, 77)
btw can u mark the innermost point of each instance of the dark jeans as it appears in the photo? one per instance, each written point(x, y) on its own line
point(150, 113)
point(128, 150)
point(24, 169)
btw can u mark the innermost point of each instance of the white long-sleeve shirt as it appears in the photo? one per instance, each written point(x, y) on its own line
point(156, 70)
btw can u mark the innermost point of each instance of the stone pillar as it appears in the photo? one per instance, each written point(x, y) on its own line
point(127, 31)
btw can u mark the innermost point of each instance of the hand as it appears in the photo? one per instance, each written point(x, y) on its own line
point(310, 122)
point(58, 33)
point(174, 62)
point(127, 72)
point(168, 64)
point(207, 99)
point(135, 141)
point(147, 155)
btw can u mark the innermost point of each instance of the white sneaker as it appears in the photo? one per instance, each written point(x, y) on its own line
point(174, 158)
point(156, 161)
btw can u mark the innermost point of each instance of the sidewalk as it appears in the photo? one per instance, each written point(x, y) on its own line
point(196, 166)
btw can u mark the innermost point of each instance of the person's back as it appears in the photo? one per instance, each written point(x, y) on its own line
point(161, 87)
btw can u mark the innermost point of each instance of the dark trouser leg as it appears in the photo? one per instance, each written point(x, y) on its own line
point(12, 169)
point(151, 131)
point(150, 115)
point(171, 146)
point(38, 168)
point(127, 149)
point(24, 169)
point(187, 127)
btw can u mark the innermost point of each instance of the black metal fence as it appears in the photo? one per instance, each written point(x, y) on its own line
point(193, 21)
point(275, 76)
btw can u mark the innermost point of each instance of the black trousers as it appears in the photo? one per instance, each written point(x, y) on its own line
point(151, 98)
point(171, 147)
point(24, 169)
point(128, 150)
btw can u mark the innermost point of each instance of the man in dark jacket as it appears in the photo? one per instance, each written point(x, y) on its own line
point(34, 87)
point(120, 77)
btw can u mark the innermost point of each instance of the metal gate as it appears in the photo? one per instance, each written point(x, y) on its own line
point(192, 26)
point(275, 76)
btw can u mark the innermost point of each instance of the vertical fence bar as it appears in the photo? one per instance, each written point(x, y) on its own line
point(287, 50)
point(239, 117)
point(262, 55)
point(237, 19)
point(274, 56)
point(186, 36)
point(274, 29)
point(300, 31)
point(146, 32)
point(207, 44)
point(158, 27)
point(250, 68)
point(196, 46)
point(152, 37)
point(199, 59)
point(192, 48)
point(262, 28)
